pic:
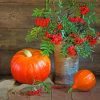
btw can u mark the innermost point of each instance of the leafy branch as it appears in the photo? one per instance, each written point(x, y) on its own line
point(33, 34)
point(47, 47)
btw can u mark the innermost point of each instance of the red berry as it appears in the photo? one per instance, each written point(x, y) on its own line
point(73, 35)
point(35, 92)
point(42, 22)
point(92, 40)
point(84, 10)
point(56, 38)
point(71, 51)
point(78, 40)
point(98, 33)
point(48, 35)
point(76, 20)
point(59, 27)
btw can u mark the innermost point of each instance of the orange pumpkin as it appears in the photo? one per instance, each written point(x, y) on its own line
point(29, 65)
point(84, 80)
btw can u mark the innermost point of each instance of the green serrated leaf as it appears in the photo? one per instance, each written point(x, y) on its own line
point(84, 50)
point(47, 47)
point(33, 34)
point(38, 12)
point(48, 12)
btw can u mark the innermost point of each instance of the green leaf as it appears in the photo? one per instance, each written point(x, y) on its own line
point(47, 87)
point(84, 50)
point(48, 13)
point(33, 34)
point(60, 4)
point(47, 47)
point(38, 12)
point(90, 17)
point(91, 5)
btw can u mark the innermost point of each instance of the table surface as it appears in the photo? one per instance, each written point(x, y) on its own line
point(56, 94)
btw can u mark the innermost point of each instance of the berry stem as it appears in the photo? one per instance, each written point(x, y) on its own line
point(47, 2)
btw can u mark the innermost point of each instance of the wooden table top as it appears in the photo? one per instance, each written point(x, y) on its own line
point(56, 94)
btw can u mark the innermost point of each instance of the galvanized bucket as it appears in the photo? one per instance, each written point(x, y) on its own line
point(65, 68)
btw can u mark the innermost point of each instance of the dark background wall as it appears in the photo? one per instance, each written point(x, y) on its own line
point(16, 20)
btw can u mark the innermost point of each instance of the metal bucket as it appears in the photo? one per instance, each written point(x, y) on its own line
point(65, 68)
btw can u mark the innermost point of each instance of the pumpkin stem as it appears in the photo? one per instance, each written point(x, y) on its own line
point(70, 90)
point(27, 53)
